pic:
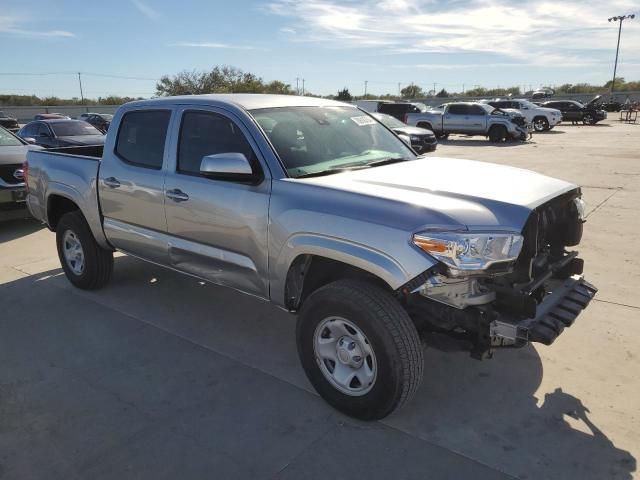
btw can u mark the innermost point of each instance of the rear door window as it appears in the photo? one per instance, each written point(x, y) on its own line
point(458, 110)
point(142, 136)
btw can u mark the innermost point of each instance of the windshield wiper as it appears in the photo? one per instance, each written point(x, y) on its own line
point(387, 161)
point(353, 166)
point(331, 171)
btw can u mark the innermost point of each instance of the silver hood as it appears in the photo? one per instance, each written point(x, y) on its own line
point(452, 192)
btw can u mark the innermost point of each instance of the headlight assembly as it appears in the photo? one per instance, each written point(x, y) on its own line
point(468, 253)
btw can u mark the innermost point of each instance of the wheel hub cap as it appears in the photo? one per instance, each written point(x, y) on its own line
point(73, 252)
point(345, 356)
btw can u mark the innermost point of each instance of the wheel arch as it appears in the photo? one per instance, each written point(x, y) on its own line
point(313, 261)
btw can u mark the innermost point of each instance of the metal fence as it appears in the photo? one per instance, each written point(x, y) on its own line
point(26, 114)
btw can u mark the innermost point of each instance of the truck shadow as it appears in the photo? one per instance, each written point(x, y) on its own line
point(12, 229)
point(487, 411)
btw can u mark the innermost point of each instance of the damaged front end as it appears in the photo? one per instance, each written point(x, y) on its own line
point(505, 289)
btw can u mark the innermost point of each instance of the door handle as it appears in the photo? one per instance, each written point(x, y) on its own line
point(111, 182)
point(177, 195)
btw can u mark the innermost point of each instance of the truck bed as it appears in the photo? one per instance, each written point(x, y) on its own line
point(65, 173)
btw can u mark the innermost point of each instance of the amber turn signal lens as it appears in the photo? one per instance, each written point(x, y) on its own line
point(430, 244)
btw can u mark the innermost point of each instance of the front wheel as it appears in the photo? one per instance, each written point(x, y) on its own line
point(588, 119)
point(498, 134)
point(540, 124)
point(359, 349)
point(86, 264)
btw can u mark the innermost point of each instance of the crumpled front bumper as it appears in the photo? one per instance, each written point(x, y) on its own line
point(558, 310)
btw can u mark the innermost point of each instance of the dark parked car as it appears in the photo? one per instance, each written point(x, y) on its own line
point(422, 140)
point(13, 153)
point(61, 133)
point(575, 112)
point(400, 109)
point(99, 120)
point(9, 123)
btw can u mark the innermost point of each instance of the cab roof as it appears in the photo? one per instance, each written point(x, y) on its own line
point(246, 101)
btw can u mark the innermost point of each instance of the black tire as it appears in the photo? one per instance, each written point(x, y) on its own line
point(588, 119)
point(540, 124)
point(98, 262)
point(497, 134)
point(390, 333)
point(442, 136)
point(425, 125)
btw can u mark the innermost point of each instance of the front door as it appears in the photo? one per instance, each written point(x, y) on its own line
point(218, 228)
point(131, 185)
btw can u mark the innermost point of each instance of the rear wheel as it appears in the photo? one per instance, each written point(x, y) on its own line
point(86, 264)
point(497, 134)
point(359, 349)
point(540, 124)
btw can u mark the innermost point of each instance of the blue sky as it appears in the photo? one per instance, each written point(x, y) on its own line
point(329, 43)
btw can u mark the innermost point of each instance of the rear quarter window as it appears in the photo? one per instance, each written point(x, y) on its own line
point(141, 137)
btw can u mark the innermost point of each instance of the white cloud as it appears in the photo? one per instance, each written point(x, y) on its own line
point(547, 33)
point(146, 10)
point(14, 25)
point(215, 45)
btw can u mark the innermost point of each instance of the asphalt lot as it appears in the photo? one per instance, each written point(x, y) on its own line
point(161, 376)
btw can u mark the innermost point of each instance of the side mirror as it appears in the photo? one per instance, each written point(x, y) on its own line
point(30, 140)
point(233, 166)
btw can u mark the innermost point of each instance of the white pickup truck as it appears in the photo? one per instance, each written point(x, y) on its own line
point(542, 118)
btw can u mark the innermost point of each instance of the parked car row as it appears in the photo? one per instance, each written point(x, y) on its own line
point(13, 153)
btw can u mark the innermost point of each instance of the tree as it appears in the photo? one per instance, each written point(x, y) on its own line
point(412, 91)
point(221, 79)
point(442, 93)
point(344, 95)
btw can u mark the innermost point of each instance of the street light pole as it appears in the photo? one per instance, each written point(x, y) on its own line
point(620, 19)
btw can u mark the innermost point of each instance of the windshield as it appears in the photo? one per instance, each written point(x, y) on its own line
point(73, 129)
point(8, 140)
point(389, 121)
point(311, 140)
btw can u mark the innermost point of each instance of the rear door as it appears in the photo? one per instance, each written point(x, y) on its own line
point(456, 118)
point(44, 136)
point(218, 228)
point(131, 184)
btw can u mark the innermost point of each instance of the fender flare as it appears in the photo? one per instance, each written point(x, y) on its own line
point(85, 206)
point(357, 255)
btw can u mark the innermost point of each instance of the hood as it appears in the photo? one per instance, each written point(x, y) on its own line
point(409, 130)
point(452, 192)
point(593, 101)
point(83, 140)
point(15, 155)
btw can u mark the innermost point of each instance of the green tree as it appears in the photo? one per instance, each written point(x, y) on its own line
point(344, 95)
point(442, 93)
point(412, 91)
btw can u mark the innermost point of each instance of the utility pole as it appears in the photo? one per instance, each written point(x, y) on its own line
point(463, 89)
point(365, 87)
point(434, 88)
point(399, 90)
point(297, 85)
point(620, 19)
point(80, 82)
point(303, 87)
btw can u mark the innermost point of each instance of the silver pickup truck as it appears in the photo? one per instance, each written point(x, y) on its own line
point(317, 207)
point(471, 118)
